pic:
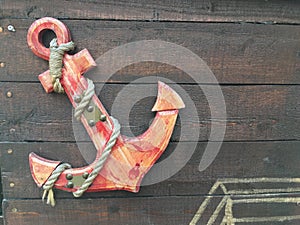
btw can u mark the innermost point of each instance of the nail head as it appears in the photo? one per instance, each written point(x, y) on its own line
point(103, 118)
point(85, 175)
point(11, 184)
point(77, 98)
point(90, 108)
point(11, 28)
point(2, 64)
point(14, 210)
point(69, 176)
point(1, 29)
point(9, 94)
point(9, 151)
point(70, 184)
point(12, 130)
point(91, 123)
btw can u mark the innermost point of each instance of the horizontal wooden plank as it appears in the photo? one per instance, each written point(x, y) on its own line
point(215, 11)
point(243, 160)
point(253, 112)
point(236, 53)
point(151, 210)
point(175, 210)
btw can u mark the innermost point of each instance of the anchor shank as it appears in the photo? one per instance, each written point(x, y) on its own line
point(95, 118)
point(74, 85)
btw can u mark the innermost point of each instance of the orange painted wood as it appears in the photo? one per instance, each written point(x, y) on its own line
point(131, 158)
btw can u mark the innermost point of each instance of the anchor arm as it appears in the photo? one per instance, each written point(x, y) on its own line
point(130, 159)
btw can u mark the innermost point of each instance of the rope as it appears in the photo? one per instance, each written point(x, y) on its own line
point(55, 67)
point(102, 159)
point(51, 181)
point(56, 62)
point(87, 96)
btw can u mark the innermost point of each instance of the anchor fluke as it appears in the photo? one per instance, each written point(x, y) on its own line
point(41, 168)
point(167, 99)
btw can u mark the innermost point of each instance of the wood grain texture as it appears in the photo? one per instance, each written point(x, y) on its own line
point(259, 112)
point(252, 47)
point(236, 53)
point(206, 10)
point(235, 160)
point(133, 211)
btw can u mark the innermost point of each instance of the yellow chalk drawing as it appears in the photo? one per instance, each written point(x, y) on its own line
point(233, 197)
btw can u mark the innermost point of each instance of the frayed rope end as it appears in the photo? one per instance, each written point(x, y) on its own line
point(50, 197)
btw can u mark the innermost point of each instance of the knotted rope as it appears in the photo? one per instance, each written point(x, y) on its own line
point(56, 62)
point(98, 166)
point(51, 181)
point(86, 98)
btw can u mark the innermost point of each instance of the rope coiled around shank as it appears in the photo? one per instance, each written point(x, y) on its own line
point(48, 186)
point(87, 97)
point(101, 161)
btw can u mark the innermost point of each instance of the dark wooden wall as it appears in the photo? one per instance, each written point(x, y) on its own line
point(252, 47)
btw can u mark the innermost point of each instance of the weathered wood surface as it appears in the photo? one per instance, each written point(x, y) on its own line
point(235, 160)
point(206, 10)
point(236, 53)
point(256, 62)
point(259, 112)
point(134, 211)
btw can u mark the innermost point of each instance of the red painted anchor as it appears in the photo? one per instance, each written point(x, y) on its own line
point(130, 158)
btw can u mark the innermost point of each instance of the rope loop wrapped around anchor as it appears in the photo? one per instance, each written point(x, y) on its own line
point(89, 92)
point(56, 62)
point(51, 181)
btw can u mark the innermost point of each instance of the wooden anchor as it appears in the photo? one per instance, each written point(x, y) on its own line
point(130, 158)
